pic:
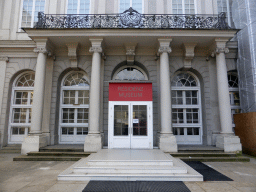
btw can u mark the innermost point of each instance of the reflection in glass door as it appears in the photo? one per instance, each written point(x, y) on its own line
point(130, 125)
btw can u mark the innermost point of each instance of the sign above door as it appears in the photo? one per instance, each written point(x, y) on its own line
point(130, 91)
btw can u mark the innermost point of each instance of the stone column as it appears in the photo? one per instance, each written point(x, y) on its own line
point(94, 141)
point(167, 141)
point(38, 98)
point(35, 139)
point(226, 140)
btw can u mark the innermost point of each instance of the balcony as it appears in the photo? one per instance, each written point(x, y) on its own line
point(131, 19)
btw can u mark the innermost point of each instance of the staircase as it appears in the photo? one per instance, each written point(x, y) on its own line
point(55, 153)
point(207, 153)
point(11, 148)
point(130, 165)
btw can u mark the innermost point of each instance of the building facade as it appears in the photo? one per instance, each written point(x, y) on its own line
point(118, 74)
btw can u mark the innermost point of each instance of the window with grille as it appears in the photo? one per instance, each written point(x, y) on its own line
point(186, 108)
point(21, 107)
point(78, 7)
point(135, 4)
point(30, 9)
point(74, 108)
point(183, 7)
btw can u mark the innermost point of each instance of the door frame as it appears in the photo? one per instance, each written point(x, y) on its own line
point(133, 140)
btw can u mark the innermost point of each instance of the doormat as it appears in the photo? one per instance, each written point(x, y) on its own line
point(134, 186)
point(208, 173)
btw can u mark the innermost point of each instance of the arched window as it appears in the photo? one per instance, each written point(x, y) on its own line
point(130, 73)
point(21, 107)
point(234, 94)
point(186, 108)
point(74, 108)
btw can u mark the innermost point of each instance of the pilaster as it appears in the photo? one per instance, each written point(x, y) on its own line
point(3, 63)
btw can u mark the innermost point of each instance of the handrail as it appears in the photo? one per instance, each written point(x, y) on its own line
point(131, 19)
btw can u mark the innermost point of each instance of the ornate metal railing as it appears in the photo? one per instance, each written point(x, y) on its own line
point(131, 19)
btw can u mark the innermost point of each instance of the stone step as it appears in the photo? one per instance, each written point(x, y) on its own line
point(10, 151)
point(45, 158)
point(131, 177)
point(216, 159)
point(130, 170)
point(200, 151)
point(130, 163)
point(57, 154)
point(60, 150)
point(204, 154)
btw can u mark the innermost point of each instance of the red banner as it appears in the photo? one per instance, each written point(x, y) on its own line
point(130, 91)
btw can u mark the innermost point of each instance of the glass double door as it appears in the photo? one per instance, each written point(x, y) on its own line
point(130, 125)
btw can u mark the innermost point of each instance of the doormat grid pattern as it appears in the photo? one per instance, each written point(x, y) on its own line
point(208, 173)
point(134, 186)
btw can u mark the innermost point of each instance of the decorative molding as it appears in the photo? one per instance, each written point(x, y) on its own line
point(72, 54)
point(6, 59)
point(222, 50)
point(189, 54)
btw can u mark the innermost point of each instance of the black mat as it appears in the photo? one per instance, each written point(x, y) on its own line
point(134, 186)
point(208, 173)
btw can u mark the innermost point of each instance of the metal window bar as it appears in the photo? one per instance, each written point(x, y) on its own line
point(131, 19)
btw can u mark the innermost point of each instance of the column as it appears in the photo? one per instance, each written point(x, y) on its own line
point(94, 141)
point(167, 141)
point(226, 140)
point(38, 98)
point(35, 138)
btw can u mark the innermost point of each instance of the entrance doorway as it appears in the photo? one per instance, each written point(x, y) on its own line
point(130, 125)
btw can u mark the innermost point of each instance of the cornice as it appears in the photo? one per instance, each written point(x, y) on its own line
point(17, 44)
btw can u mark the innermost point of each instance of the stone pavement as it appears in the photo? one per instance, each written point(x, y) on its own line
point(41, 176)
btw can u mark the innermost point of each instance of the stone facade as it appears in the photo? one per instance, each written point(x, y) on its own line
point(189, 50)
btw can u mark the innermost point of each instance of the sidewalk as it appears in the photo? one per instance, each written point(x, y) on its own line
point(42, 176)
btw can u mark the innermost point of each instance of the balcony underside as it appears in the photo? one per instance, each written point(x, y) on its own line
point(116, 38)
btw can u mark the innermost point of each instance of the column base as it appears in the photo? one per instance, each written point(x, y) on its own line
point(167, 143)
point(93, 143)
point(33, 143)
point(230, 143)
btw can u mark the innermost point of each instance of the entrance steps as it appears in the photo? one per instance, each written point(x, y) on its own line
point(11, 148)
point(207, 154)
point(130, 165)
point(55, 153)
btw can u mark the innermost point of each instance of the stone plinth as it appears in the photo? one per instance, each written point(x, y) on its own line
point(167, 143)
point(33, 143)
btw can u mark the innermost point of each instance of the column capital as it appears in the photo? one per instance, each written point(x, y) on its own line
point(164, 46)
point(222, 50)
point(41, 50)
point(6, 59)
point(95, 50)
point(44, 46)
point(164, 49)
point(96, 45)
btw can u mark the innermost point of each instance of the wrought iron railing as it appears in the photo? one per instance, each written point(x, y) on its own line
point(131, 19)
